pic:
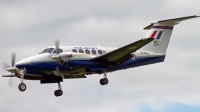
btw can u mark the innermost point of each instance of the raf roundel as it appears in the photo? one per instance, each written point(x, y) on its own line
point(133, 58)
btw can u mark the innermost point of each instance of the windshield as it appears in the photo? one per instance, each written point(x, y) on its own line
point(48, 50)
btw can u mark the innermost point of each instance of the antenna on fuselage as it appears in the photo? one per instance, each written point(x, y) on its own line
point(98, 45)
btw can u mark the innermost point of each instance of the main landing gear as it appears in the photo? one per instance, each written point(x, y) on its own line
point(22, 86)
point(58, 92)
point(104, 80)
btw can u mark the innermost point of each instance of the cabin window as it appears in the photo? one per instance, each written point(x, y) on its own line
point(100, 52)
point(93, 51)
point(87, 51)
point(74, 50)
point(104, 51)
point(81, 51)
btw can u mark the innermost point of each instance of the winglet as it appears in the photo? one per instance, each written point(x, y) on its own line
point(170, 21)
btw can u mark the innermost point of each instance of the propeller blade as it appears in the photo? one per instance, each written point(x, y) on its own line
point(9, 75)
point(5, 66)
point(57, 71)
point(10, 69)
point(13, 57)
point(57, 44)
point(10, 82)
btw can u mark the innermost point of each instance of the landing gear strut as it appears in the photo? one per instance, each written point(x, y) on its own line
point(22, 86)
point(104, 80)
point(58, 92)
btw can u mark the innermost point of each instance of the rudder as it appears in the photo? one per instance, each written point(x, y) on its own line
point(161, 33)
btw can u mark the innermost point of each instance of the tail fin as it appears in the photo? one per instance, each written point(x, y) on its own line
point(161, 31)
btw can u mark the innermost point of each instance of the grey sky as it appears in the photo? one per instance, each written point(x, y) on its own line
point(27, 27)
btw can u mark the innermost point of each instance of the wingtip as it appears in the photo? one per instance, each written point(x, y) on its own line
point(194, 16)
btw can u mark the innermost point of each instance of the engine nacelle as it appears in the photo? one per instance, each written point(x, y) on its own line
point(62, 56)
point(67, 55)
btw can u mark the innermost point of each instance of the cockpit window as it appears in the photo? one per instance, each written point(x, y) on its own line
point(49, 50)
point(43, 51)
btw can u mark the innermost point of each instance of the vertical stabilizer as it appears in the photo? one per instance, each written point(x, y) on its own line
point(161, 31)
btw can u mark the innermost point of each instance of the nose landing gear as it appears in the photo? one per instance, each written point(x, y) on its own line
point(22, 86)
point(58, 92)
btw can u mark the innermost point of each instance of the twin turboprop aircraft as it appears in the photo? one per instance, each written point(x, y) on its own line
point(57, 62)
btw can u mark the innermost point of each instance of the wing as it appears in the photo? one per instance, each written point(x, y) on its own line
point(122, 54)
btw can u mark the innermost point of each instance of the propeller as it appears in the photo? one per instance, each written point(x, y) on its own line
point(57, 49)
point(57, 44)
point(10, 82)
point(58, 58)
point(5, 66)
point(13, 58)
point(57, 71)
point(11, 69)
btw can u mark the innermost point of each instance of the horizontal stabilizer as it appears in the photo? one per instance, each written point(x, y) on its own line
point(170, 21)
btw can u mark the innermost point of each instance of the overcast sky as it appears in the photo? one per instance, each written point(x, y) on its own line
point(29, 26)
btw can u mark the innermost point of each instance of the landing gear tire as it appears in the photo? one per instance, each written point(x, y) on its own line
point(104, 81)
point(22, 87)
point(58, 93)
point(101, 82)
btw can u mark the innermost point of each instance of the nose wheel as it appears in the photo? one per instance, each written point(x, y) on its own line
point(58, 92)
point(104, 80)
point(22, 86)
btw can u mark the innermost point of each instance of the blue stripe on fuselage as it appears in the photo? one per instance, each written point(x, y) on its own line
point(45, 66)
point(51, 65)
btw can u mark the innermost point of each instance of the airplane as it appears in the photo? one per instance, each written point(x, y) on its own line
point(56, 63)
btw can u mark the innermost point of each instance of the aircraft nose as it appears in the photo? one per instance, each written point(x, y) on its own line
point(23, 63)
